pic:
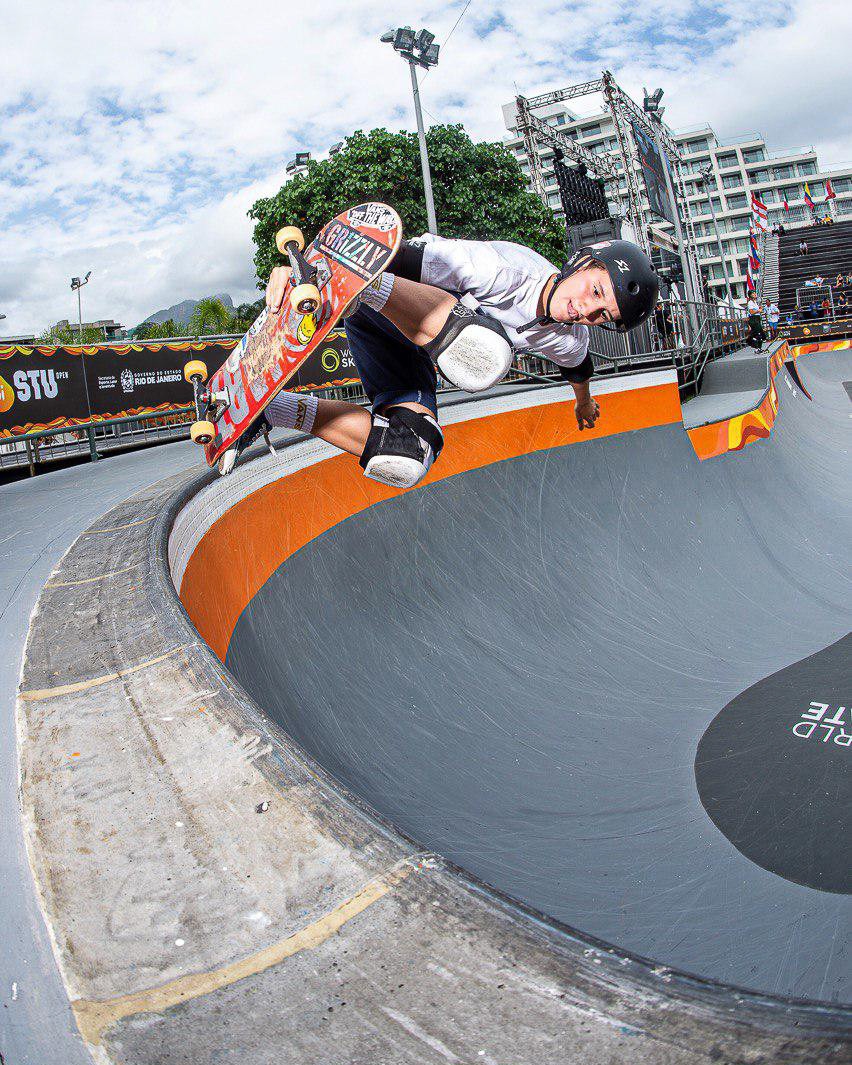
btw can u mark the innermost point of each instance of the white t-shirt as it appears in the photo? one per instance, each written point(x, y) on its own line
point(753, 307)
point(774, 313)
point(504, 280)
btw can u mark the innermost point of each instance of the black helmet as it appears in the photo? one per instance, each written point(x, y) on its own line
point(634, 279)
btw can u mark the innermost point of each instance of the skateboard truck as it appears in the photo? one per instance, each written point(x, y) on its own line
point(304, 293)
point(265, 431)
point(202, 430)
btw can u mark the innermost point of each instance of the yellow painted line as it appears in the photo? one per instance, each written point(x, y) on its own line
point(69, 689)
point(91, 580)
point(116, 528)
point(93, 1017)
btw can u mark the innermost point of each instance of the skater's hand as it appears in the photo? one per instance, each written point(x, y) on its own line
point(276, 287)
point(587, 412)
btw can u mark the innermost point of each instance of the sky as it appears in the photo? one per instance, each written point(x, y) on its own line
point(135, 136)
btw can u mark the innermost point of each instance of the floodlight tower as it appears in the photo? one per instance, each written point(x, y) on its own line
point(76, 285)
point(652, 109)
point(419, 50)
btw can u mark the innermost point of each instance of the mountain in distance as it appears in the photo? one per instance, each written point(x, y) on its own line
point(180, 313)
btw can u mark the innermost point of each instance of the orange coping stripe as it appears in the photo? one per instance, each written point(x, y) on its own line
point(825, 345)
point(242, 550)
point(732, 434)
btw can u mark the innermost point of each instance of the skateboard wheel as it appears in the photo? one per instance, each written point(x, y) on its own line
point(195, 368)
point(202, 432)
point(287, 234)
point(304, 299)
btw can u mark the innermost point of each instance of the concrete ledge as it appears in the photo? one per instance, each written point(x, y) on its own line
point(194, 922)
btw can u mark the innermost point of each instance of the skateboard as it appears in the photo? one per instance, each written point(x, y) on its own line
point(347, 255)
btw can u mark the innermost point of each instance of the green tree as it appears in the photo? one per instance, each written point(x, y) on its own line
point(245, 315)
point(210, 316)
point(158, 330)
point(171, 328)
point(479, 189)
point(63, 334)
point(147, 331)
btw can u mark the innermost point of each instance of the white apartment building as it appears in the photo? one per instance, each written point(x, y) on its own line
point(738, 167)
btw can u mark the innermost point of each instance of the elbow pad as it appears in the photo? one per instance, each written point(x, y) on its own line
point(408, 261)
point(578, 374)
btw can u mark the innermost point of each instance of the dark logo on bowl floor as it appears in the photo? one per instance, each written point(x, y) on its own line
point(773, 771)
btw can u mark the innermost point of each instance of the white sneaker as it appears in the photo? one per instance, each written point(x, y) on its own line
point(227, 460)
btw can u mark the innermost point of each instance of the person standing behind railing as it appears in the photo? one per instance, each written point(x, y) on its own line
point(773, 316)
point(756, 335)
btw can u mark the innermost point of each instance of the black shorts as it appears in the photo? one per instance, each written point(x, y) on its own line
point(391, 368)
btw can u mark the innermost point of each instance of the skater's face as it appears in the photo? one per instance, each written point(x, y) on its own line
point(585, 298)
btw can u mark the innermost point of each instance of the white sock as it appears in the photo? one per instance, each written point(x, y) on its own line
point(376, 294)
point(293, 410)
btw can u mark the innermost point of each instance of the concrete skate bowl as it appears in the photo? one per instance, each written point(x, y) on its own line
point(602, 678)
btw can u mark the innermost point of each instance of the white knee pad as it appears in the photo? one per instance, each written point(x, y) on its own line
point(472, 351)
point(401, 447)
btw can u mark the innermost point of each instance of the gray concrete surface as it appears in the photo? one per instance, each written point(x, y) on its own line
point(730, 386)
point(39, 519)
point(527, 655)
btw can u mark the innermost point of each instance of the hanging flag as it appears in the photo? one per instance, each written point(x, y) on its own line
point(808, 199)
point(759, 213)
point(830, 194)
point(786, 205)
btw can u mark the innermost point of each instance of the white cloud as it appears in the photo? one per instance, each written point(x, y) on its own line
point(135, 137)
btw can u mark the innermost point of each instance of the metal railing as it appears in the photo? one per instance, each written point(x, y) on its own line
point(681, 335)
point(93, 440)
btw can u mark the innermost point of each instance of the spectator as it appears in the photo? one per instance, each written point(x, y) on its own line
point(803, 247)
point(774, 316)
point(665, 325)
point(756, 335)
point(825, 306)
point(788, 321)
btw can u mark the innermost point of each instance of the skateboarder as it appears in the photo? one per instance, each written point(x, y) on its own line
point(465, 306)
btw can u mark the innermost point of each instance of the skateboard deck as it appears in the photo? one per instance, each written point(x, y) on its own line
point(344, 258)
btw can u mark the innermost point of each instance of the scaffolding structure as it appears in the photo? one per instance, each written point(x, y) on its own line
point(609, 166)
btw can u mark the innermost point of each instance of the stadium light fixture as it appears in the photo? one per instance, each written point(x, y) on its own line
point(76, 285)
point(651, 104)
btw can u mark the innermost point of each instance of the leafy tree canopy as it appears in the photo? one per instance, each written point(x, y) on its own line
point(479, 193)
point(210, 316)
point(62, 334)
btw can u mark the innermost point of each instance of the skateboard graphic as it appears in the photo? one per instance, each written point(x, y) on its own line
point(345, 257)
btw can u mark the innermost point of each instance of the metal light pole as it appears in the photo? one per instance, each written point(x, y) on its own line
point(76, 285)
point(419, 50)
point(705, 177)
